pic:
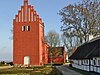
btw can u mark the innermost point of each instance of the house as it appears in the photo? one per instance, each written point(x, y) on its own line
point(87, 56)
point(57, 55)
point(29, 47)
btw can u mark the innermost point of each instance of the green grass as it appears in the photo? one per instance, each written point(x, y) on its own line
point(32, 71)
point(3, 64)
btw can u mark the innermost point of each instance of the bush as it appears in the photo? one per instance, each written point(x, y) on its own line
point(10, 63)
point(70, 65)
point(2, 62)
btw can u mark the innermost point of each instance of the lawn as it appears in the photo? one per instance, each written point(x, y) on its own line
point(31, 71)
point(4, 64)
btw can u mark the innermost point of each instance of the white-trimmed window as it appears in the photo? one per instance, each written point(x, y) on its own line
point(23, 28)
point(28, 28)
point(98, 62)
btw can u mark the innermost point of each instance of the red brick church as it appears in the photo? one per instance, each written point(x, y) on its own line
point(29, 47)
point(28, 37)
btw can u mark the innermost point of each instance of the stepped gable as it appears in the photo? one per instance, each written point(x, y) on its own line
point(27, 14)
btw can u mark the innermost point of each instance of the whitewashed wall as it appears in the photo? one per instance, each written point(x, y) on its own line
point(84, 64)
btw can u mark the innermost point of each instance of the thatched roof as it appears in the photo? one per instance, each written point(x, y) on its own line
point(87, 50)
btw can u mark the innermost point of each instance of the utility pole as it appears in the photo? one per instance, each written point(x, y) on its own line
point(51, 59)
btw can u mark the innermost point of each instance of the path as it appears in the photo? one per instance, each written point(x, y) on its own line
point(5, 67)
point(66, 71)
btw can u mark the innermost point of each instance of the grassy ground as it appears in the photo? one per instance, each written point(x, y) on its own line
point(31, 71)
point(4, 64)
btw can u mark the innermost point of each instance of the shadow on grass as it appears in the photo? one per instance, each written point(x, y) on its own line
point(55, 72)
point(42, 70)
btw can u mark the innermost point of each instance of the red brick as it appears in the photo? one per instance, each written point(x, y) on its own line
point(29, 43)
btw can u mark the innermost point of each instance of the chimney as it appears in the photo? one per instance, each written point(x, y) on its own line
point(90, 37)
point(75, 48)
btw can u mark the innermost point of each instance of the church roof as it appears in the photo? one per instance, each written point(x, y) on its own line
point(87, 50)
point(56, 51)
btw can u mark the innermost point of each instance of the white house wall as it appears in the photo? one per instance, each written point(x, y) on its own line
point(84, 64)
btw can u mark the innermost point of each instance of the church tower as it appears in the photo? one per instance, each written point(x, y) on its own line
point(28, 37)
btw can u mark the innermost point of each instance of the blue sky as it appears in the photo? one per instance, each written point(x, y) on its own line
point(47, 10)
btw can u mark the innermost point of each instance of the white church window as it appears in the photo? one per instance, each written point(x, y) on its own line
point(23, 28)
point(28, 28)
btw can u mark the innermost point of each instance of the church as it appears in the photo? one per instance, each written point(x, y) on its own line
point(29, 47)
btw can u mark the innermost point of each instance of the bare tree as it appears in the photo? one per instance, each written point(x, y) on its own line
point(67, 41)
point(52, 38)
point(81, 19)
point(70, 43)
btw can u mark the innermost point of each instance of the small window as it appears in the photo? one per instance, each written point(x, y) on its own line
point(23, 28)
point(28, 28)
point(98, 62)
